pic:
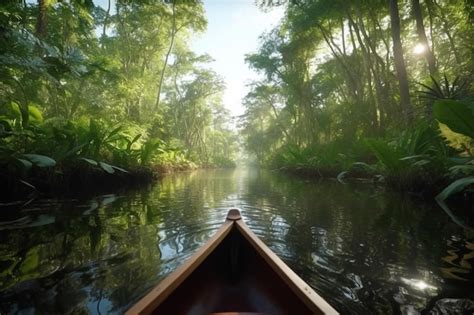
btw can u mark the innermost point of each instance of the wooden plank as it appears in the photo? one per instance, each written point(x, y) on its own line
point(159, 293)
point(311, 299)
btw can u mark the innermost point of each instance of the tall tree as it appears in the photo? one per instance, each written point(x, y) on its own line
point(405, 102)
point(42, 18)
point(420, 29)
point(172, 36)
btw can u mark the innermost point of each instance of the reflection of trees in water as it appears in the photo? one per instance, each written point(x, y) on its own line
point(360, 239)
point(107, 250)
point(353, 244)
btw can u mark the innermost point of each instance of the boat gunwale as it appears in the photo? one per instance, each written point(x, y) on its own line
point(148, 303)
point(304, 292)
point(167, 286)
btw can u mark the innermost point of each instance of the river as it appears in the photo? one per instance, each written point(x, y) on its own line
point(361, 248)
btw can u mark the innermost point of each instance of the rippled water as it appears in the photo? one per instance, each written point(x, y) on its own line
point(363, 250)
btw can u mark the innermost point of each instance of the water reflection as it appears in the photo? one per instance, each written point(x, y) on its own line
point(363, 250)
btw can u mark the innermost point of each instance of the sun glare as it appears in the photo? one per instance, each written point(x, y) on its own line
point(419, 49)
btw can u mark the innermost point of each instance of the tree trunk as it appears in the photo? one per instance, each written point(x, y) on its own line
point(368, 63)
point(420, 29)
point(400, 63)
point(343, 36)
point(42, 19)
point(162, 75)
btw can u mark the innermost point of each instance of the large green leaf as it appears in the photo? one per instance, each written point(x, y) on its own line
point(40, 160)
point(455, 187)
point(458, 116)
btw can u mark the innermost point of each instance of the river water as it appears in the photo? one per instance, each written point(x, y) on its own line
point(364, 250)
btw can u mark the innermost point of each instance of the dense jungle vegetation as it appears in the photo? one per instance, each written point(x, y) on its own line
point(362, 88)
point(108, 94)
point(367, 88)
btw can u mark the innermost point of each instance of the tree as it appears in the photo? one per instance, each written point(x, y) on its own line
point(405, 102)
point(420, 29)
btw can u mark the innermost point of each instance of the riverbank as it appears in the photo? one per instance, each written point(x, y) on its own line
point(424, 160)
point(420, 183)
point(74, 179)
point(58, 157)
point(85, 179)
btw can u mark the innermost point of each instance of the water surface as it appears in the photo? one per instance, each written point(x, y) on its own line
point(364, 250)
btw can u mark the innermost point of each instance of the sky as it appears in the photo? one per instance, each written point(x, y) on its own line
point(233, 30)
point(234, 27)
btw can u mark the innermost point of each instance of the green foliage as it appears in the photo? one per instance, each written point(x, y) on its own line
point(81, 99)
point(455, 187)
point(458, 116)
point(40, 160)
point(457, 90)
point(332, 91)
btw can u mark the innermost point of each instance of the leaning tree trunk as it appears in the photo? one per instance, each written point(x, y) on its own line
point(400, 62)
point(420, 29)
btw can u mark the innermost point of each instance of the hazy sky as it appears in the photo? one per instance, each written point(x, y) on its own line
point(233, 30)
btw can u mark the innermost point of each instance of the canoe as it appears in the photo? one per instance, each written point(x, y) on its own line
point(234, 272)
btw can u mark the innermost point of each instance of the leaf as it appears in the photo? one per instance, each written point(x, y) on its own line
point(5, 124)
point(455, 187)
point(40, 160)
point(130, 143)
point(340, 177)
point(107, 167)
point(114, 132)
point(462, 168)
point(119, 169)
point(35, 113)
point(25, 164)
point(27, 184)
point(421, 162)
point(136, 138)
point(15, 112)
point(458, 116)
point(74, 150)
point(31, 261)
point(91, 162)
point(412, 157)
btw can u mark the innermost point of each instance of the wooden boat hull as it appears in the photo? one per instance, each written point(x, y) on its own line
point(233, 273)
